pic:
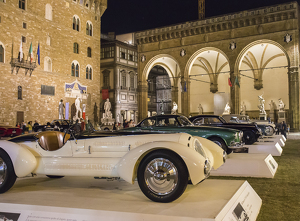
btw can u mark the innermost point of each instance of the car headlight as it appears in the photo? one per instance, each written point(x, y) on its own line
point(199, 148)
point(207, 168)
point(241, 134)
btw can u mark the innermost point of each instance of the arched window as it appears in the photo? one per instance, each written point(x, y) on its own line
point(48, 12)
point(47, 64)
point(89, 52)
point(123, 79)
point(131, 80)
point(106, 78)
point(76, 48)
point(1, 53)
point(89, 28)
point(75, 69)
point(22, 4)
point(76, 23)
point(88, 72)
point(20, 93)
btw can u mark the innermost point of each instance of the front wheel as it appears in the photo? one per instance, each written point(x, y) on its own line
point(7, 172)
point(249, 137)
point(221, 143)
point(162, 176)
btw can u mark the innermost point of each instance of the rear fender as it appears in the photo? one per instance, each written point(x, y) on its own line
point(128, 165)
point(23, 160)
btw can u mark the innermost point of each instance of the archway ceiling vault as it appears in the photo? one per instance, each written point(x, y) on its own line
point(211, 63)
point(258, 57)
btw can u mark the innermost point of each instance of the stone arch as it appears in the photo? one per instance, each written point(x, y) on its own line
point(160, 60)
point(261, 69)
point(172, 68)
point(208, 75)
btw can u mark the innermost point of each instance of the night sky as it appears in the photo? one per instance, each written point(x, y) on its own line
point(124, 16)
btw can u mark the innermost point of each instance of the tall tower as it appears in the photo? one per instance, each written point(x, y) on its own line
point(201, 9)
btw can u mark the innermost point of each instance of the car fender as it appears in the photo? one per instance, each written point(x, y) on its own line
point(23, 160)
point(128, 165)
point(215, 150)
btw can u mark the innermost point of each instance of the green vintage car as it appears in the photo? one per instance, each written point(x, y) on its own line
point(228, 139)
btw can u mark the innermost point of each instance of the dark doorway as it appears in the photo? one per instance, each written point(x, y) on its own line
point(159, 91)
point(20, 117)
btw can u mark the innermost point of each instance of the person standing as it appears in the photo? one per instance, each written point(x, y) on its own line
point(29, 127)
point(35, 126)
point(283, 129)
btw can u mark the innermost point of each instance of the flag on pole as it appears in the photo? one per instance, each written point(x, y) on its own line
point(229, 82)
point(31, 53)
point(236, 82)
point(184, 89)
point(39, 54)
point(21, 51)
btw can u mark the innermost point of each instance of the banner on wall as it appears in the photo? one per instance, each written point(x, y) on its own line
point(105, 94)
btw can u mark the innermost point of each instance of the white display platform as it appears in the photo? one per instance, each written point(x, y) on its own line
point(269, 148)
point(247, 165)
point(78, 199)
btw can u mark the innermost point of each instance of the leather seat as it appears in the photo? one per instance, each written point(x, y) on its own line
point(52, 140)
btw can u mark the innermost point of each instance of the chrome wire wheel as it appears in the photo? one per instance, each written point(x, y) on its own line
point(3, 171)
point(161, 176)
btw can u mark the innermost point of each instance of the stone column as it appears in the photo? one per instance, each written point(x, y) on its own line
point(185, 107)
point(293, 120)
point(142, 100)
point(235, 94)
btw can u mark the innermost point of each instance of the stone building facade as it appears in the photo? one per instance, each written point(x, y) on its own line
point(232, 58)
point(68, 34)
point(119, 76)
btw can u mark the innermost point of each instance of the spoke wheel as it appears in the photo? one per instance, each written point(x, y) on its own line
point(7, 173)
point(162, 176)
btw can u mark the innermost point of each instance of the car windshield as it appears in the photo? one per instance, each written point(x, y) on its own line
point(223, 120)
point(184, 121)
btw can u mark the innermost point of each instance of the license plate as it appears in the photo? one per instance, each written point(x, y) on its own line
point(14, 131)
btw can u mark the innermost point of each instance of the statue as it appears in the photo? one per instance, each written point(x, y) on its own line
point(281, 105)
point(107, 106)
point(243, 109)
point(175, 107)
point(272, 106)
point(78, 108)
point(227, 109)
point(61, 107)
point(161, 107)
point(200, 108)
point(261, 105)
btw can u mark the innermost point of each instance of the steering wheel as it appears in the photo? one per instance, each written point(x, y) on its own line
point(70, 131)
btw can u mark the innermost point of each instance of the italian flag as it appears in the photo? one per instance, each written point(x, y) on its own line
point(31, 53)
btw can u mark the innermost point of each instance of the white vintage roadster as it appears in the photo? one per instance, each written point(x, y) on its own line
point(162, 163)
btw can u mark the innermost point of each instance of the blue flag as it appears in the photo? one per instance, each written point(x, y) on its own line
point(39, 54)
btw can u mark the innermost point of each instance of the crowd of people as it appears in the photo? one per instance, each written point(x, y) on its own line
point(282, 128)
point(80, 125)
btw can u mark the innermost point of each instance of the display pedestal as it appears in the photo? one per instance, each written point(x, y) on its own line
point(82, 198)
point(281, 116)
point(271, 147)
point(274, 139)
point(247, 165)
point(262, 116)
